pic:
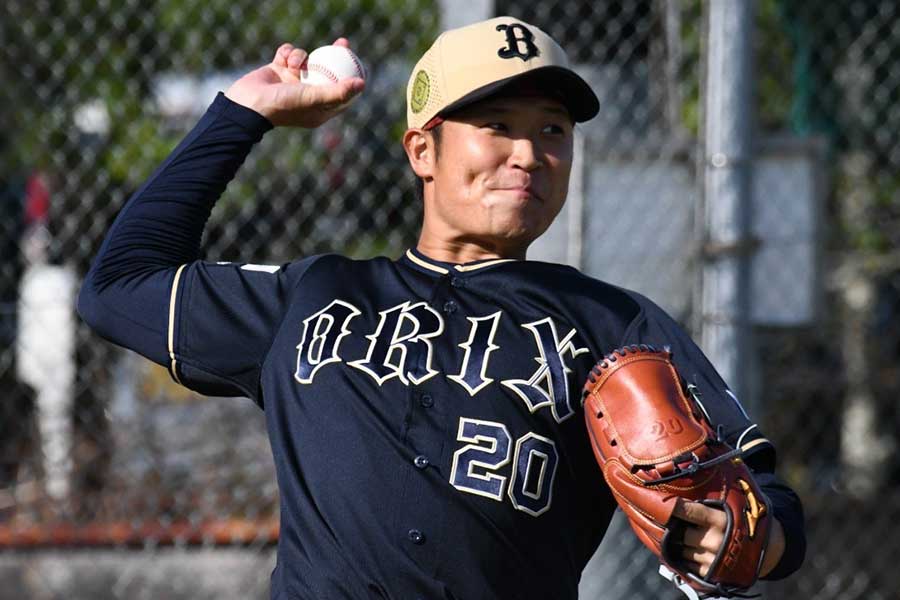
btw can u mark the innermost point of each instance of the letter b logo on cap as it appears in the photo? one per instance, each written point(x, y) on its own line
point(516, 35)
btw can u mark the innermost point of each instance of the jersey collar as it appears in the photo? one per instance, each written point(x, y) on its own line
point(421, 261)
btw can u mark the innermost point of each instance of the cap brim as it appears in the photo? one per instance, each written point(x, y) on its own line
point(559, 82)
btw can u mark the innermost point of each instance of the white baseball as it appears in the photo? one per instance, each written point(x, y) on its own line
point(330, 64)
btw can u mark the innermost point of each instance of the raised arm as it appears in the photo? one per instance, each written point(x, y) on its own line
point(129, 293)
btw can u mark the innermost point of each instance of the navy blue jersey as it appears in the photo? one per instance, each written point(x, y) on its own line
point(424, 417)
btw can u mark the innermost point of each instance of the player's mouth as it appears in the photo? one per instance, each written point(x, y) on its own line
point(521, 192)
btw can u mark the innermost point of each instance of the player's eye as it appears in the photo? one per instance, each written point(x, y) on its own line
point(553, 129)
point(496, 126)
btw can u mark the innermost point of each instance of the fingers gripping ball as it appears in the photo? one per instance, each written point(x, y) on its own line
point(654, 444)
point(331, 64)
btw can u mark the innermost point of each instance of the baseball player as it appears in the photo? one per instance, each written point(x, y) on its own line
point(424, 413)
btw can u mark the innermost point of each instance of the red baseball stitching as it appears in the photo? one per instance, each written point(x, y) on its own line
point(359, 68)
point(328, 73)
point(323, 70)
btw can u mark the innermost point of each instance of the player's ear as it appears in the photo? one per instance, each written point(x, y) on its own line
point(420, 151)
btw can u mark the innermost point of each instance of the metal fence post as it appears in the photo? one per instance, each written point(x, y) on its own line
point(725, 328)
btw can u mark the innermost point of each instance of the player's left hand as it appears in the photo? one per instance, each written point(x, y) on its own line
point(275, 91)
point(705, 533)
point(718, 507)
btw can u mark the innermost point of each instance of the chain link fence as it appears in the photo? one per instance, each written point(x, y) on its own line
point(102, 457)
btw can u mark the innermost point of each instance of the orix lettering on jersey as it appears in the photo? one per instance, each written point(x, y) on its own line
point(416, 325)
point(488, 462)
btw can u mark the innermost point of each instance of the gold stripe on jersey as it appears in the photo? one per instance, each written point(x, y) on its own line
point(754, 443)
point(425, 264)
point(490, 263)
point(460, 268)
point(172, 297)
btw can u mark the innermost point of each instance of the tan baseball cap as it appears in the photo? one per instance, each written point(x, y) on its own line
point(473, 62)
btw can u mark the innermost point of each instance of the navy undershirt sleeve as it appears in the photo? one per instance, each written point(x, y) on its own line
point(126, 294)
point(788, 509)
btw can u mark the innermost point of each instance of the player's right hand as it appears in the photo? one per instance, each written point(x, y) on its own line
point(275, 91)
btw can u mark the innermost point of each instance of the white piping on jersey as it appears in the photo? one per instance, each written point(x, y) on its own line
point(260, 268)
point(751, 444)
point(755, 443)
point(738, 402)
point(172, 322)
point(738, 445)
point(460, 268)
point(746, 431)
point(490, 263)
point(427, 265)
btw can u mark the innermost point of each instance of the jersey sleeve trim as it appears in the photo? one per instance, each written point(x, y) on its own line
point(757, 439)
point(754, 444)
point(171, 337)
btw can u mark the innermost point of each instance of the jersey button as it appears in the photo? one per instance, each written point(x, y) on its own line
point(426, 400)
point(416, 537)
point(458, 282)
point(421, 461)
point(450, 307)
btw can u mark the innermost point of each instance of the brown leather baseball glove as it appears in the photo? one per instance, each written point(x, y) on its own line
point(655, 444)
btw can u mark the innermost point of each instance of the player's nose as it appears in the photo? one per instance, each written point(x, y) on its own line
point(525, 154)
